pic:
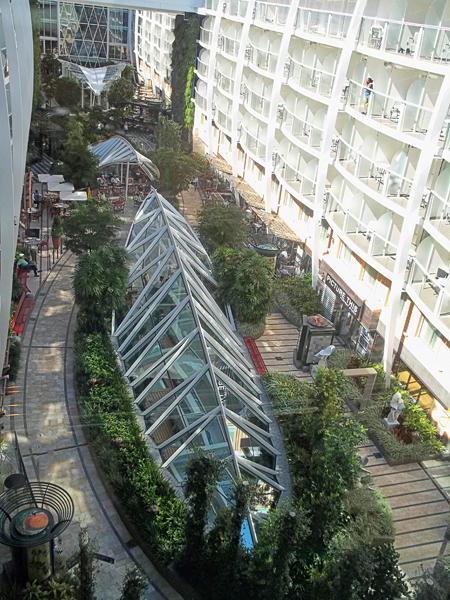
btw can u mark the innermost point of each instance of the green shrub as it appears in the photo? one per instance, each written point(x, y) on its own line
point(290, 313)
point(252, 330)
point(302, 296)
point(340, 358)
point(17, 289)
point(245, 282)
point(108, 411)
point(14, 359)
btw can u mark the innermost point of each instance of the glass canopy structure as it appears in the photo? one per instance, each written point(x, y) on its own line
point(117, 150)
point(98, 80)
point(190, 378)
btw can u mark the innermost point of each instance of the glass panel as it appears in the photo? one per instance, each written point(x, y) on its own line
point(235, 404)
point(267, 496)
point(199, 401)
point(176, 294)
point(180, 328)
point(217, 335)
point(211, 439)
point(218, 362)
point(189, 362)
point(249, 448)
point(160, 247)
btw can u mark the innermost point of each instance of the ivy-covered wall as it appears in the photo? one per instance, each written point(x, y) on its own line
point(184, 52)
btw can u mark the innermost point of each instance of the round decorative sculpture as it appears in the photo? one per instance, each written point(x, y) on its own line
point(34, 513)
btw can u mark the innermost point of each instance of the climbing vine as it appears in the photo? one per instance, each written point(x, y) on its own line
point(183, 61)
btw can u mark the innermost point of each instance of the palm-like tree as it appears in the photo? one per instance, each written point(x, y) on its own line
point(100, 283)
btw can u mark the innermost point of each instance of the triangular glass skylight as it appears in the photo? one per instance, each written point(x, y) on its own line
point(189, 373)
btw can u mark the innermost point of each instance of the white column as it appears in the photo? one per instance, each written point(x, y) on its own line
point(238, 84)
point(126, 181)
point(211, 70)
point(424, 165)
point(276, 95)
point(329, 129)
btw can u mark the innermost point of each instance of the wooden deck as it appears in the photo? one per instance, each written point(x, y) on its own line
point(277, 346)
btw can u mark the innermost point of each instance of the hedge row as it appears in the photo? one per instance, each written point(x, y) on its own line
point(107, 410)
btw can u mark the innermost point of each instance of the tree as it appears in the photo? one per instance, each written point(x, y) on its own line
point(121, 92)
point(169, 134)
point(220, 226)
point(176, 169)
point(90, 226)
point(279, 544)
point(202, 474)
point(80, 166)
point(67, 92)
point(367, 573)
point(134, 585)
point(128, 73)
point(245, 281)
point(100, 282)
point(85, 571)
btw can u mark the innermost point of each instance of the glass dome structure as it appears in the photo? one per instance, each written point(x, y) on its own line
point(188, 371)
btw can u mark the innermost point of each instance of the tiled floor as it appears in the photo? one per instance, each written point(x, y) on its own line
point(421, 509)
point(43, 412)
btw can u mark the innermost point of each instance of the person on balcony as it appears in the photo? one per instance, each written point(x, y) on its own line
point(367, 91)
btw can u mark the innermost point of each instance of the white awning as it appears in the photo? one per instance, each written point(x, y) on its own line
point(46, 178)
point(118, 150)
point(57, 186)
point(74, 196)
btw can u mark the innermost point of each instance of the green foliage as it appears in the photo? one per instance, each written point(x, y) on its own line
point(415, 419)
point(14, 359)
point(89, 227)
point(245, 281)
point(108, 413)
point(220, 226)
point(57, 227)
point(252, 330)
point(280, 543)
point(362, 574)
point(16, 289)
point(418, 449)
point(67, 92)
point(85, 570)
point(128, 73)
point(134, 585)
point(184, 50)
point(121, 92)
point(203, 471)
point(100, 284)
point(290, 313)
point(80, 166)
point(177, 169)
point(301, 295)
point(189, 111)
point(37, 74)
point(169, 134)
point(340, 359)
point(434, 584)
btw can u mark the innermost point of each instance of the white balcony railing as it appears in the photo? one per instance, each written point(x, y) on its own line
point(392, 111)
point(302, 129)
point(364, 235)
point(205, 36)
point(252, 143)
point(229, 46)
point(200, 101)
point(223, 120)
point(425, 42)
point(263, 59)
point(323, 23)
point(437, 212)
point(236, 8)
point(269, 13)
point(378, 176)
point(225, 83)
point(431, 290)
point(256, 102)
point(202, 68)
point(311, 78)
point(301, 180)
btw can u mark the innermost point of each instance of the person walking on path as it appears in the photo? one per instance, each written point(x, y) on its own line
point(23, 264)
point(195, 182)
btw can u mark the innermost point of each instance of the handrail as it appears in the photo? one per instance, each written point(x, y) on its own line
point(301, 120)
point(311, 68)
point(324, 11)
point(408, 23)
point(295, 169)
point(373, 162)
point(393, 98)
point(346, 211)
point(258, 143)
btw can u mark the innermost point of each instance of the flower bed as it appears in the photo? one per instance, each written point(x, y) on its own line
point(414, 440)
point(296, 297)
point(107, 409)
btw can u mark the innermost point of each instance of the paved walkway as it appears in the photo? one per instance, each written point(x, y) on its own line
point(43, 412)
point(277, 345)
point(190, 204)
point(420, 509)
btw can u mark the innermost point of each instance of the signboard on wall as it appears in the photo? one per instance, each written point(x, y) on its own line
point(352, 306)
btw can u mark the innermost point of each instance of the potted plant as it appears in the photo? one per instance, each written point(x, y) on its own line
point(57, 231)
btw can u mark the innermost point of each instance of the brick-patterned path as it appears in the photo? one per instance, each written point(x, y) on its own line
point(44, 414)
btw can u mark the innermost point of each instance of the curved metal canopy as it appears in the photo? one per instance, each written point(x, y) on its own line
point(98, 79)
point(188, 371)
point(118, 150)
